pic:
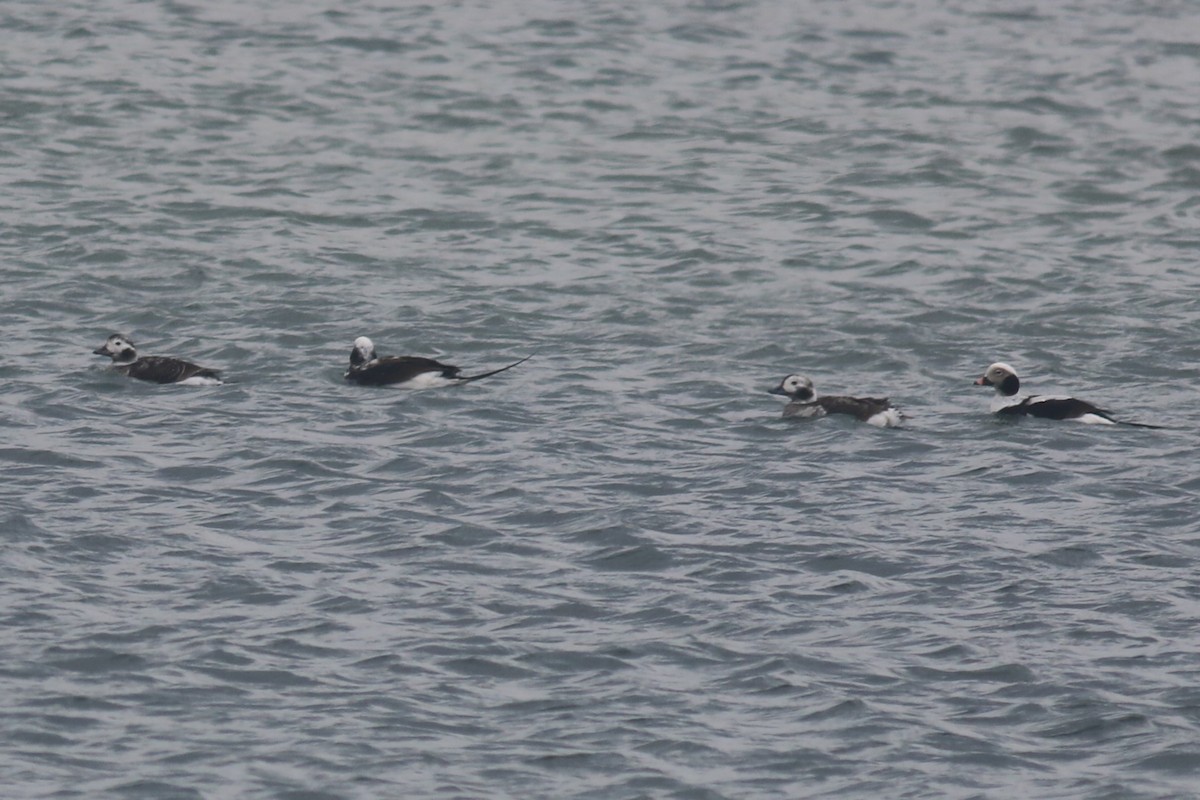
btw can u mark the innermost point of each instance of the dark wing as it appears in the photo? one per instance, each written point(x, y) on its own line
point(398, 369)
point(862, 408)
point(161, 369)
point(1060, 408)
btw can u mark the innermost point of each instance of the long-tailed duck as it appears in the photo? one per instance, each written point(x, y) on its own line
point(1008, 402)
point(410, 372)
point(806, 405)
point(156, 369)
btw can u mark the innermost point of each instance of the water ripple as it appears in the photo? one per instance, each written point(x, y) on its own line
point(615, 570)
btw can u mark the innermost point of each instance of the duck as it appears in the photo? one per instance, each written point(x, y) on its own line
point(409, 372)
point(805, 404)
point(155, 369)
point(1009, 402)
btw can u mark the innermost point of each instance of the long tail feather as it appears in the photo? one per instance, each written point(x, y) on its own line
point(1141, 425)
point(466, 378)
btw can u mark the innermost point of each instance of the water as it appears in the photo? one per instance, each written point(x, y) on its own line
point(613, 572)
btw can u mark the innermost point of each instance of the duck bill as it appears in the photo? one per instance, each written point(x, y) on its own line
point(983, 381)
point(100, 351)
point(777, 390)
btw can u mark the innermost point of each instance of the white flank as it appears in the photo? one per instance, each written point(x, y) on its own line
point(199, 380)
point(888, 418)
point(427, 380)
point(1094, 419)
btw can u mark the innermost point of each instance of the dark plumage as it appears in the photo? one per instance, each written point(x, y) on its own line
point(1054, 408)
point(155, 369)
point(806, 405)
point(368, 369)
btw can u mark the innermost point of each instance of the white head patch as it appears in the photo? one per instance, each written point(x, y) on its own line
point(119, 347)
point(999, 371)
point(363, 352)
point(799, 387)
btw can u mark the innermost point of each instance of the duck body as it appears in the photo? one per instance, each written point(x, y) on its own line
point(154, 369)
point(1009, 402)
point(805, 404)
point(409, 372)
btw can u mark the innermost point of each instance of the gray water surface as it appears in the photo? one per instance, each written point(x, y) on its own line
point(614, 571)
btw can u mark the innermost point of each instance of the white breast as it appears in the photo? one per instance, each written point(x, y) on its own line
point(1000, 402)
